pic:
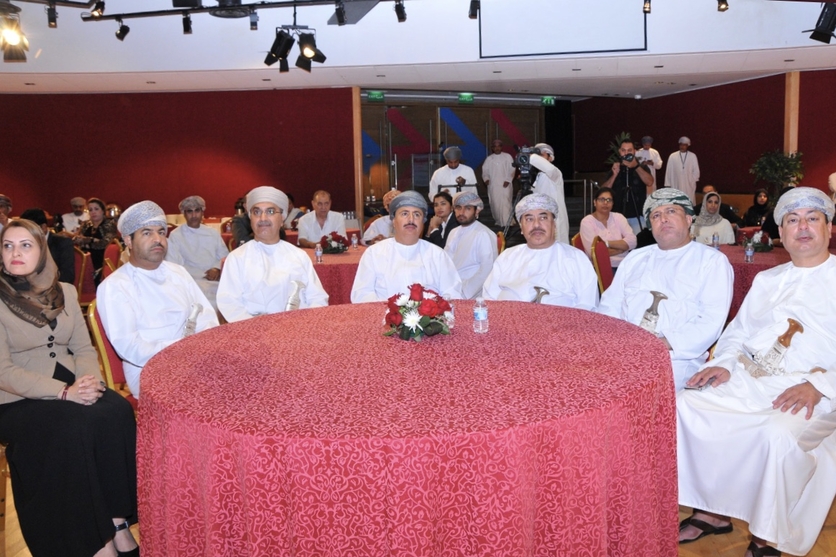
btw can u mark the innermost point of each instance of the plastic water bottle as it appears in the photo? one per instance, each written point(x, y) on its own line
point(715, 241)
point(749, 252)
point(354, 241)
point(318, 253)
point(480, 316)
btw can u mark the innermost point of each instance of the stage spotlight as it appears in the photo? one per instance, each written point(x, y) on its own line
point(98, 9)
point(400, 11)
point(123, 30)
point(646, 8)
point(253, 21)
point(825, 25)
point(12, 40)
point(283, 66)
point(339, 12)
point(303, 63)
point(187, 24)
point(281, 48)
point(722, 5)
point(473, 12)
point(307, 45)
point(52, 15)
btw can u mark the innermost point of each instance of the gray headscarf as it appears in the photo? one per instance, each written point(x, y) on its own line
point(468, 198)
point(192, 202)
point(139, 215)
point(409, 198)
point(667, 196)
point(535, 201)
point(803, 198)
point(705, 218)
point(452, 154)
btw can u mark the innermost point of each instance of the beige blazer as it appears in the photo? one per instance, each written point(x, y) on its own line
point(28, 353)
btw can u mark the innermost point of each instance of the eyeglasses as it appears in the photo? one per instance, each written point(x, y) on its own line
point(256, 212)
point(604, 200)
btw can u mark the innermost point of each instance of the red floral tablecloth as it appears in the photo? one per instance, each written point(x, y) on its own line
point(744, 273)
point(336, 273)
point(308, 433)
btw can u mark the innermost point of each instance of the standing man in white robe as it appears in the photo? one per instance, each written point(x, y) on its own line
point(650, 157)
point(261, 276)
point(472, 246)
point(550, 182)
point(452, 177)
point(198, 248)
point(683, 170)
point(564, 271)
point(147, 303)
point(320, 222)
point(498, 174)
point(761, 447)
point(390, 266)
point(696, 279)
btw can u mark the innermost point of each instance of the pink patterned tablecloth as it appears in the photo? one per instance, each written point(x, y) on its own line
point(336, 273)
point(308, 433)
point(744, 273)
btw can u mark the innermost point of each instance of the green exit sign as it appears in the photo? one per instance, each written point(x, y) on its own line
point(375, 96)
point(547, 101)
point(466, 98)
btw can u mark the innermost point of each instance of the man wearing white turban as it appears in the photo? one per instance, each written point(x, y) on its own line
point(472, 246)
point(146, 303)
point(758, 443)
point(563, 271)
point(381, 228)
point(550, 182)
point(259, 277)
point(498, 174)
point(452, 177)
point(683, 170)
point(696, 280)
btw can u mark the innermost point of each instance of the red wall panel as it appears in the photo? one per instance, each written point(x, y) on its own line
point(816, 127)
point(729, 127)
point(129, 147)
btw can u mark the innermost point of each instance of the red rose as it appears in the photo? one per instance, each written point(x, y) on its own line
point(324, 241)
point(443, 305)
point(416, 292)
point(428, 308)
point(394, 318)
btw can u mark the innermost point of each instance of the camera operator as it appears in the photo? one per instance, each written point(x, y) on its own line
point(453, 177)
point(549, 181)
point(631, 183)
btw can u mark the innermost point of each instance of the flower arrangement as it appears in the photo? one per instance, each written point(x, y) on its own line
point(422, 312)
point(334, 243)
point(761, 241)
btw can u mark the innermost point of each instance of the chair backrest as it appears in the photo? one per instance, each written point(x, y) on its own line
point(107, 269)
point(81, 262)
point(369, 222)
point(113, 253)
point(111, 363)
point(577, 242)
point(500, 242)
point(602, 264)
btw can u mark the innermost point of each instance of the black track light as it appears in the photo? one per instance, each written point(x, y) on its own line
point(280, 49)
point(722, 5)
point(339, 12)
point(646, 7)
point(52, 16)
point(98, 9)
point(253, 21)
point(187, 24)
point(283, 66)
point(123, 30)
point(307, 48)
point(303, 63)
point(473, 12)
point(400, 11)
point(12, 40)
point(826, 24)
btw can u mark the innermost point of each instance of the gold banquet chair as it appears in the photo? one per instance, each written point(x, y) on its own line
point(111, 363)
point(577, 242)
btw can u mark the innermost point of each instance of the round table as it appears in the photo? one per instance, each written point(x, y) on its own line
point(309, 433)
point(744, 273)
point(336, 273)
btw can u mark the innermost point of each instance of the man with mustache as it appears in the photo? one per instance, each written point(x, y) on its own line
point(259, 276)
point(390, 266)
point(145, 304)
point(472, 246)
point(760, 447)
point(696, 279)
point(564, 271)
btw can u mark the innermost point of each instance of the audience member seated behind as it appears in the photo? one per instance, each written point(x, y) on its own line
point(95, 234)
point(608, 225)
point(71, 442)
point(320, 222)
point(726, 210)
point(770, 226)
point(709, 222)
point(756, 214)
point(60, 247)
point(381, 228)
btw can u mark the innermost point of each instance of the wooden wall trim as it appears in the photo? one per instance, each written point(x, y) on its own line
point(791, 104)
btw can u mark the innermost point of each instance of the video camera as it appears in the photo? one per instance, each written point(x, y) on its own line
point(523, 163)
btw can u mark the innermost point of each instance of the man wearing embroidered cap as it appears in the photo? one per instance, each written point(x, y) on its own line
point(758, 443)
point(454, 176)
point(472, 246)
point(390, 266)
point(259, 276)
point(696, 280)
point(683, 170)
point(145, 304)
point(549, 181)
point(565, 272)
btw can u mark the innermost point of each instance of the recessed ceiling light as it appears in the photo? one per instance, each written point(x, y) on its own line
point(658, 66)
point(576, 69)
point(497, 71)
point(28, 83)
point(266, 80)
point(790, 60)
point(151, 82)
point(381, 75)
point(692, 85)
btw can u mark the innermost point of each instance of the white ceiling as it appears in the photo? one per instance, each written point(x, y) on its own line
point(689, 45)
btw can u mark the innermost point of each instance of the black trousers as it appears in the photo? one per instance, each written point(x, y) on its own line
point(73, 469)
